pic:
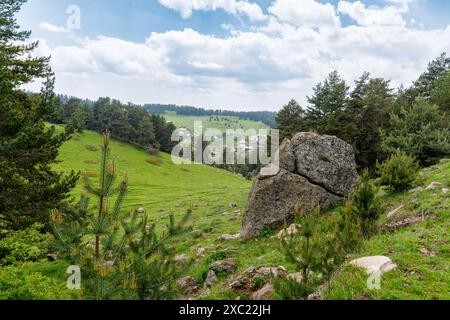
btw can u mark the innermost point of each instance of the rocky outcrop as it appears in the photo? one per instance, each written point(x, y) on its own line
point(314, 171)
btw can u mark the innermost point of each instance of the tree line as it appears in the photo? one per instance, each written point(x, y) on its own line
point(265, 117)
point(376, 119)
point(126, 122)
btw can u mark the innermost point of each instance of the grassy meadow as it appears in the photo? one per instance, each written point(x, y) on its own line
point(214, 122)
point(219, 199)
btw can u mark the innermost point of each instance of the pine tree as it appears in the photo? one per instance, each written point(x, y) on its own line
point(121, 256)
point(29, 187)
point(365, 206)
point(291, 120)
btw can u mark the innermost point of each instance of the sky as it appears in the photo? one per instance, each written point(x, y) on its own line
point(231, 54)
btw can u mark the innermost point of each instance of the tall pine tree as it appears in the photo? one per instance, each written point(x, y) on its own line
point(29, 187)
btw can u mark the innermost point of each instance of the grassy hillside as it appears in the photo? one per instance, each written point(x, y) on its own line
point(166, 188)
point(217, 122)
point(156, 184)
point(421, 251)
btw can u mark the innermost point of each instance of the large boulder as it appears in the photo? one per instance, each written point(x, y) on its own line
point(314, 171)
point(326, 161)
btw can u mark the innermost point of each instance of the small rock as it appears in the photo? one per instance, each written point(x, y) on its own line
point(140, 210)
point(375, 263)
point(229, 237)
point(269, 271)
point(52, 256)
point(165, 217)
point(188, 285)
point(211, 279)
point(415, 190)
point(296, 276)
point(238, 284)
point(250, 270)
point(393, 213)
point(264, 293)
point(181, 260)
point(427, 252)
point(433, 185)
point(237, 212)
point(445, 190)
point(226, 266)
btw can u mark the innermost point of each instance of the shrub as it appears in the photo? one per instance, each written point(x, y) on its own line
point(399, 171)
point(365, 206)
point(25, 245)
point(257, 282)
point(18, 282)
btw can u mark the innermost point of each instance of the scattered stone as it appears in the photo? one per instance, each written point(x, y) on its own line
point(296, 276)
point(264, 293)
point(238, 284)
point(402, 223)
point(211, 279)
point(393, 213)
point(267, 272)
point(237, 212)
point(427, 252)
point(227, 266)
point(52, 257)
point(374, 264)
point(415, 190)
point(314, 171)
point(188, 285)
point(445, 190)
point(165, 217)
point(181, 260)
point(140, 210)
point(433, 185)
point(229, 237)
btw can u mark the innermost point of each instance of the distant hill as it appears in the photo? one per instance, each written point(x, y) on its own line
point(266, 117)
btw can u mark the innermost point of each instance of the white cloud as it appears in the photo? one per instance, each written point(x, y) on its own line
point(305, 12)
point(52, 28)
point(391, 15)
point(261, 68)
point(235, 7)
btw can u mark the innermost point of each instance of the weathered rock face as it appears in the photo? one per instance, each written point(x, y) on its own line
point(326, 161)
point(314, 171)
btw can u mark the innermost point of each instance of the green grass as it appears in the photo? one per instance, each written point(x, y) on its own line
point(162, 188)
point(220, 122)
point(418, 275)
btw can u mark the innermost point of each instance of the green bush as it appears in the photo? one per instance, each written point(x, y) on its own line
point(18, 282)
point(399, 171)
point(420, 131)
point(257, 282)
point(365, 207)
point(25, 245)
